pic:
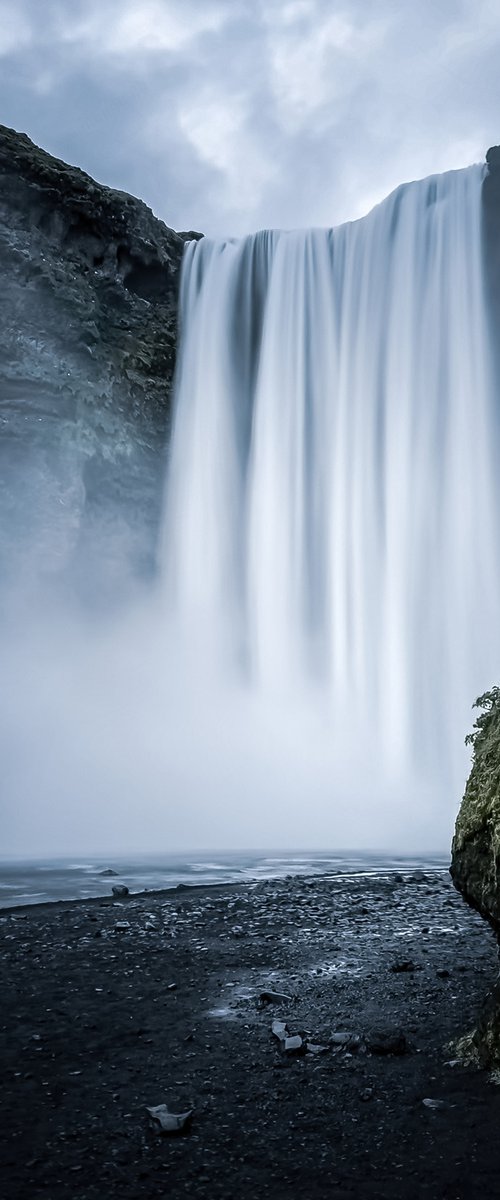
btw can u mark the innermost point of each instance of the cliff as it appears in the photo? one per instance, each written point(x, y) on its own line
point(475, 857)
point(88, 313)
point(475, 866)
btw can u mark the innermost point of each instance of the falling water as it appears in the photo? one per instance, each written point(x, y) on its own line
point(331, 525)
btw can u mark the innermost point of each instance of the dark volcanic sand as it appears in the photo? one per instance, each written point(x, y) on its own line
point(92, 1035)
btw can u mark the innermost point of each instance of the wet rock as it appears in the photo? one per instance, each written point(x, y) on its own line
point(108, 872)
point(294, 1045)
point(346, 1040)
point(279, 1029)
point(120, 890)
point(428, 1103)
point(386, 1041)
point(167, 1122)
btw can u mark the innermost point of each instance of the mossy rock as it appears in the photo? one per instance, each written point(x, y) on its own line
point(475, 865)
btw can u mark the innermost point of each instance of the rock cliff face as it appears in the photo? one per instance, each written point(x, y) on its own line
point(475, 866)
point(476, 846)
point(88, 312)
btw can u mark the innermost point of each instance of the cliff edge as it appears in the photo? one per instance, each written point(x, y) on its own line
point(88, 316)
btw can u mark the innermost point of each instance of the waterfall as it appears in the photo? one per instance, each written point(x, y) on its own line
point(332, 511)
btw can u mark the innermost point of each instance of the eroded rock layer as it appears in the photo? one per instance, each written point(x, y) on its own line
point(88, 312)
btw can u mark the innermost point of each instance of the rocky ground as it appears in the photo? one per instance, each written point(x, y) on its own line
point(113, 1007)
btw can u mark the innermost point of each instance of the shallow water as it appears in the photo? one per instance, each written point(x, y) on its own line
point(36, 882)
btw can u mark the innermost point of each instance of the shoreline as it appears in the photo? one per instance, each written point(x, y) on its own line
point(112, 1006)
point(157, 893)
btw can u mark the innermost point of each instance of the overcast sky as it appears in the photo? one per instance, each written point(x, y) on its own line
point(231, 115)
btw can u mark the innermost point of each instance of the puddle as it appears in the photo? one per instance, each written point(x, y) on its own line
point(223, 1013)
point(416, 931)
point(240, 992)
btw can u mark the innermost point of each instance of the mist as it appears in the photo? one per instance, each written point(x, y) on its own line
point(296, 667)
point(113, 740)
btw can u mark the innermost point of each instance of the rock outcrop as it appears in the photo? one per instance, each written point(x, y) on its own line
point(88, 314)
point(475, 866)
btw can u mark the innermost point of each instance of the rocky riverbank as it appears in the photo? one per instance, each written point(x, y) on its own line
point(112, 1008)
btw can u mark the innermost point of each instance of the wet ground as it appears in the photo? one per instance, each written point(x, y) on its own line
point(109, 1008)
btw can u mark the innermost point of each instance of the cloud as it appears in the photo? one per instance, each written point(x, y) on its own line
point(15, 30)
point(228, 115)
point(125, 29)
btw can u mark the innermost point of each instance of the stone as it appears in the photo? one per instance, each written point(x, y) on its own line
point(406, 965)
point(294, 1044)
point(120, 889)
point(273, 998)
point(346, 1040)
point(167, 1122)
point(108, 872)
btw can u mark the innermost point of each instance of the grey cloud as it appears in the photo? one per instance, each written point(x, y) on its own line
point(228, 115)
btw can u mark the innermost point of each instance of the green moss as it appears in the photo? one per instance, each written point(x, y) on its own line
point(476, 845)
point(481, 802)
point(475, 865)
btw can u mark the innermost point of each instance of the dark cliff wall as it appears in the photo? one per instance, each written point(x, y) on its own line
point(475, 856)
point(88, 312)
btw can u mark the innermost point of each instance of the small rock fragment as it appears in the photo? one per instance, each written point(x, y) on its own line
point(274, 998)
point(407, 964)
point(346, 1040)
point(434, 1103)
point(294, 1045)
point(279, 1029)
point(168, 1122)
